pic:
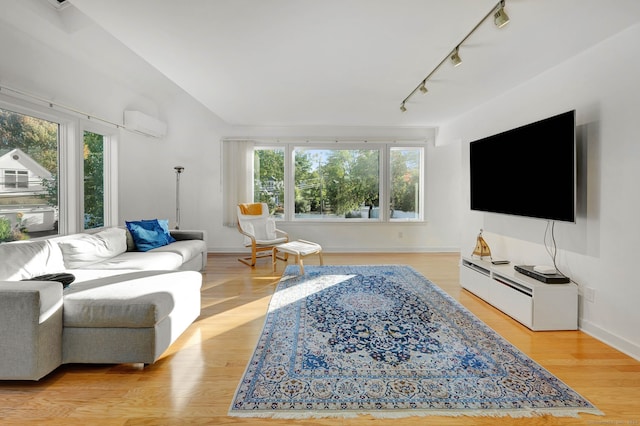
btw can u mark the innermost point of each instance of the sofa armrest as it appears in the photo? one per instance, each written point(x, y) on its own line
point(183, 234)
point(30, 329)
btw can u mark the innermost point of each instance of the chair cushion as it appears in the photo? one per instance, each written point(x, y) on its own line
point(251, 208)
point(264, 230)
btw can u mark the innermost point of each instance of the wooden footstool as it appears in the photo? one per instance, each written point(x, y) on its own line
point(299, 249)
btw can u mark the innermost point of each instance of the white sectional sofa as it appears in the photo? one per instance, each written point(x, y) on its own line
point(124, 305)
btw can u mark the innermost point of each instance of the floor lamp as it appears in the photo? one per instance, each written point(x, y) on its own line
point(178, 170)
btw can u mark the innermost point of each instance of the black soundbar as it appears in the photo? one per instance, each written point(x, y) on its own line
point(545, 278)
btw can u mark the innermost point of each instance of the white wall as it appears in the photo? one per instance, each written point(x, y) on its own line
point(438, 233)
point(600, 250)
point(64, 57)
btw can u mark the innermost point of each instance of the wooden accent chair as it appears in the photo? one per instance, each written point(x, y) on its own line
point(259, 230)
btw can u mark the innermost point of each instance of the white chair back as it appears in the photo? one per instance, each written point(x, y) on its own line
point(261, 226)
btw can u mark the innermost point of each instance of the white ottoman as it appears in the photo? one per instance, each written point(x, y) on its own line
point(299, 249)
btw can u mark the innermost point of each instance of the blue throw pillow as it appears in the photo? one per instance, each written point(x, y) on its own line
point(150, 234)
point(164, 224)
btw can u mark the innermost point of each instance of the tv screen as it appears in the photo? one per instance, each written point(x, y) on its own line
point(527, 171)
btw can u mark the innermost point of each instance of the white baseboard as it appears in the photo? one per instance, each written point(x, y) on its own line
point(617, 342)
point(325, 249)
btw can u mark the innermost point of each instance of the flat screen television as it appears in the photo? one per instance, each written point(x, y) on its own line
point(527, 171)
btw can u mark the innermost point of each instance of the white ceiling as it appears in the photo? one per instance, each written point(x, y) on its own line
point(352, 62)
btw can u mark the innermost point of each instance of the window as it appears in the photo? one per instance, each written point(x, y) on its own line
point(336, 183)
point(93, 180)
point(268, 177)
point(355, 182)
point(29, 164)
point(405, 174)
point(44, 190)
point(16, 179)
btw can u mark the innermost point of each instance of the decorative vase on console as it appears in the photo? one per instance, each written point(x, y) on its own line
point(482, 248)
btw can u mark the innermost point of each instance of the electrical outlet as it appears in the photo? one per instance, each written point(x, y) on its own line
point(589, 294)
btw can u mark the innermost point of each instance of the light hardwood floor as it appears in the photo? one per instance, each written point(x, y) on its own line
point(194, 381)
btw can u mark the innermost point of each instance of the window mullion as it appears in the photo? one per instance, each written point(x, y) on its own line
point(385, 183)
point(290, 186)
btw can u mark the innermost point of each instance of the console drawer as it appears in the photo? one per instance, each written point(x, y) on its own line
point(511, 301)
point(475, 280)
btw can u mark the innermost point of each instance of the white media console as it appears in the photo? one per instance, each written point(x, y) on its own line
point(535, 304)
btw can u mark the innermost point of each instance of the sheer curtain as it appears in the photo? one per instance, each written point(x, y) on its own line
point(237, 178)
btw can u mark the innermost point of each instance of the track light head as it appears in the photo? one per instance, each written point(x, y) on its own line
point(423, 88)
point(403, 108)
point(500, 17)
point(455, 58)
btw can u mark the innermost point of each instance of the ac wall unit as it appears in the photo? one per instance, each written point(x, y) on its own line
point(142, 123)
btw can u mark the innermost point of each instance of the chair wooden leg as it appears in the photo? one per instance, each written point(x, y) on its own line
point(259, 254)
point(274, 258)
point(245, 260)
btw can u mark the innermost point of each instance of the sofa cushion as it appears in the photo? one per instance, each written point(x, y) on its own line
point(188, 249)
point(149, 234)
point(164, 261)
point(135, 300)
point(86, 249)
point(26, 259)
point(87, 274)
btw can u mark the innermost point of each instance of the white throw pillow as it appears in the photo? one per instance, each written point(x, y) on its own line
point(27, 259)
point(88, 249)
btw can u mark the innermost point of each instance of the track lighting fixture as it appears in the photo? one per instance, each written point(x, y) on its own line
point(500, 18)
point(455, 57)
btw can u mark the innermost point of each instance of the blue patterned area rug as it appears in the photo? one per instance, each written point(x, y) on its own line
point(340, 341)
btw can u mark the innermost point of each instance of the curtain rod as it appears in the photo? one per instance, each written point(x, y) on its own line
point(303, 140)
point(65, 108)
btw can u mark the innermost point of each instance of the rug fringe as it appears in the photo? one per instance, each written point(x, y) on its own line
point(399, 414)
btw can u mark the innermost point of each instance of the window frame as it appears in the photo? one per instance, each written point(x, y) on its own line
point(110, 172)
point(70, 161)
point(384, 148)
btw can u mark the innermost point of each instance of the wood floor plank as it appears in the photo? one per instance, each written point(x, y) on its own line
point(194, 381)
